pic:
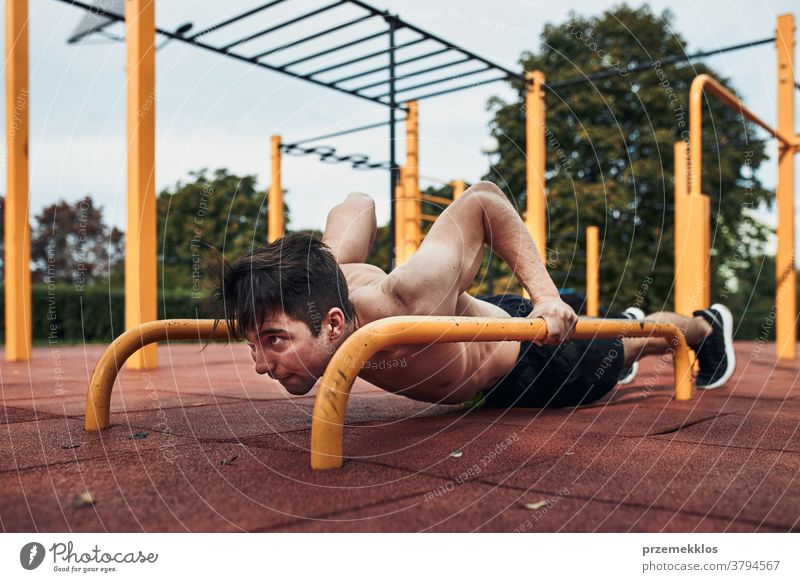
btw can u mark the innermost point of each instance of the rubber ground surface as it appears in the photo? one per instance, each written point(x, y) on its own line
point(204, 444)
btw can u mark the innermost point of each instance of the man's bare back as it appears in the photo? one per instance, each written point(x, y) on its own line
point(439, 372)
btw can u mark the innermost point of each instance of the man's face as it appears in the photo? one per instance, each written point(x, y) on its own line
point(285, 349)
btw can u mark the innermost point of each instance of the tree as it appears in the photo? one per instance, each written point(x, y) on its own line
point(610, 157)
point(72, 244)
point(222, 210)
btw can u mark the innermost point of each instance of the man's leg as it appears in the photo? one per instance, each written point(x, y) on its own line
point(695, 329)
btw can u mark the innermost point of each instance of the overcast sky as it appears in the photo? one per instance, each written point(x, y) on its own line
point(213, 112)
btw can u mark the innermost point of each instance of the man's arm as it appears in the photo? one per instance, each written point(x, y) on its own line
point(351, 228)
point(450, 256)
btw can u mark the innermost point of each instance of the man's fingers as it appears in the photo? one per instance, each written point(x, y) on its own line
point(554, 330)
point(540, 342)
point(571, 322)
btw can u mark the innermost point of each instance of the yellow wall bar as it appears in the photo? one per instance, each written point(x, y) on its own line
point(682, 247)
point(140, 238)
point(17, 254)
point(400, 220)
point(536, 207)
point(785, 271)
point(327, 423)
point(440, 200)
point(458, 188)
point(413, 205)
point(593, 271)
point(275, 226)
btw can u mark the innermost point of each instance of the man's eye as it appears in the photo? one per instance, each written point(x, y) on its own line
point(274, 340)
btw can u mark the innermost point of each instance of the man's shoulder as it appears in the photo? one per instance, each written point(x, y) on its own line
point(374, 301)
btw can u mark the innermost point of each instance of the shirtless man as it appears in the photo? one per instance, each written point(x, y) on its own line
point(296, 300)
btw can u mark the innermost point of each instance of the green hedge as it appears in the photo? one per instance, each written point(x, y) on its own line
point(94, 314)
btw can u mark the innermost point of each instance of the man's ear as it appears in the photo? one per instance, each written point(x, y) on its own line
point(334, 323)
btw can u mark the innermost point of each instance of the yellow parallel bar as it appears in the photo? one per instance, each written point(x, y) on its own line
point(535, 160)
point(785, 271)
point(17, 254)
point(98, 398)
point(334, 389)
point(592, 271)
point(682, 246)
point(140, 238)
point(700, 84)
point(349, 359)
point(429, 217)
point(458, 188)
point(275, 226)
point(436, 199)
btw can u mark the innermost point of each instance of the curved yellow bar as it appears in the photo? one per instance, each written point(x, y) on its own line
point(98, 399)
point(334, 389)
point(700, 84)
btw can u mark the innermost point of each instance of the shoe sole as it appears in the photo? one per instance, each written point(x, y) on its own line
point(631, 376)
point(727, 326)
point(637, 313)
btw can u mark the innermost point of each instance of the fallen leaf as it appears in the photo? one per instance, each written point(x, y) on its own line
point(138, 435)
point(569, 453)
point(69, 446)
point(229, 461)
point(84, 499)
point(535, 506)
point(456, 454)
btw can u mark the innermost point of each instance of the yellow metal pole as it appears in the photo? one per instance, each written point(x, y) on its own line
point(413, 212)
point(330, 404)
point(458, 188)
point(536, 207)
point(275, 211)
point(400, 220)
point(785, 271)
point(695, 260)
point(17, 253)
point(140, 239)
point(682, 272)
point(592, 271)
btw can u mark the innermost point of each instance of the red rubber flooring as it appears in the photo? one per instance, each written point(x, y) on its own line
point(204, 444)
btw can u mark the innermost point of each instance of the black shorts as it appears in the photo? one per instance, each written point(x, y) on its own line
point(575, 372)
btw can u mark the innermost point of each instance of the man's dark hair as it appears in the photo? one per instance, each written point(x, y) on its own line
point(296, 273)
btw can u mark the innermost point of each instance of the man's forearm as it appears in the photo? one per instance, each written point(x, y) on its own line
point(508, 237)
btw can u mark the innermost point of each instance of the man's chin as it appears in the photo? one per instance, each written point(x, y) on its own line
point(297, 386)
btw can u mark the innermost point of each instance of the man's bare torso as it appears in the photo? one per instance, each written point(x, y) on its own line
point(443, 372)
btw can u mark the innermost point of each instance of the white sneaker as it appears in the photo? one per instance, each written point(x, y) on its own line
point(627, 375)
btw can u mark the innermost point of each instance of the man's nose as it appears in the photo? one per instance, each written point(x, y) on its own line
point(263, 366)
